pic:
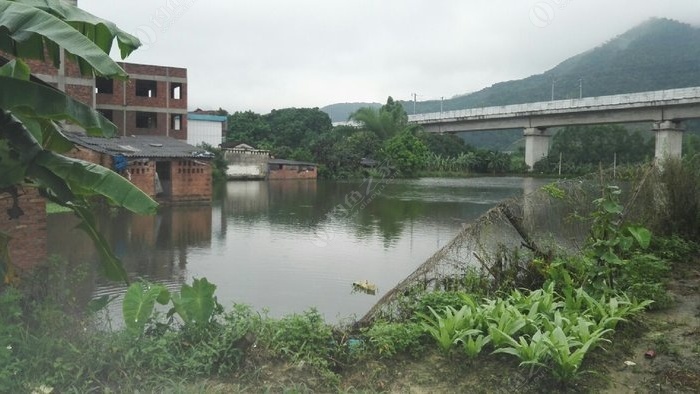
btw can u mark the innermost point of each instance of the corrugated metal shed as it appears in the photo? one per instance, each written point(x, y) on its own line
point(206, 117)
point(140, 146)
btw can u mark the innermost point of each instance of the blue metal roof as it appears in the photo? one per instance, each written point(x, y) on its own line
point(206, 118)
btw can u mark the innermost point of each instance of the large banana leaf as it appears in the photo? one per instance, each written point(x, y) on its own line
point(102, 32)
point(40, 101)
point(30, 32)
point(87, 179)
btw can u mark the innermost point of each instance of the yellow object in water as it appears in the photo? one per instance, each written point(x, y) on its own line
point(365, 285)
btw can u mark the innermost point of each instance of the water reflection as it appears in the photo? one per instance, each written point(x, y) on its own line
point(282, 245)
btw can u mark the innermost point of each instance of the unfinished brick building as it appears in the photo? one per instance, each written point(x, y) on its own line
point(153, 101)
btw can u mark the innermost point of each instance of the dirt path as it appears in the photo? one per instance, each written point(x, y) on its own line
point(673, 334)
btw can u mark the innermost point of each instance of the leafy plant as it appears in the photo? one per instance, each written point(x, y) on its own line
point(532, 352)
point(473, 344)
point(389, 339)
point(505, 325)
point(299, 335)
point(195, 304)
point(138, 304)
point(447, 330)
point(567, 353)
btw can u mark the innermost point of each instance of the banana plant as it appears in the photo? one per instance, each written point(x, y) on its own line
point(31, 141)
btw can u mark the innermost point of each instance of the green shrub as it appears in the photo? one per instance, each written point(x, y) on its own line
point(299, 336)
point(389, 339)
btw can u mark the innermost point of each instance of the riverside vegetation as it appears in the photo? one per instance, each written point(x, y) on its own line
point(544, 337)
point(580, 316)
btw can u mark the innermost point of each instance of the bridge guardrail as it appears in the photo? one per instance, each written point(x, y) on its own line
point(631, 99)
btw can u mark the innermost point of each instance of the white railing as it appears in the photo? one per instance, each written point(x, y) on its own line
point(658, 97)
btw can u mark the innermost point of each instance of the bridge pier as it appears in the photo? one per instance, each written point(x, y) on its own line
point(669, 139)
point(536, 145)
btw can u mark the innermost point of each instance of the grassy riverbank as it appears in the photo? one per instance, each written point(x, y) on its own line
point(587, 323)
point(47, 344)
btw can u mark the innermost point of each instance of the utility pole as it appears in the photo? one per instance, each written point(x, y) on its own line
point(553, 82)
point(414, 103)
point(441, 101)
point(580, 88)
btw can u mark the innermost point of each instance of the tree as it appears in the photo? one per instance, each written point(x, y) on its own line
point(584, 146)
point(445, 145)
point(31, 139)
point(385, 122)
point(248, 127)
point(297, 127)
point(405, 153)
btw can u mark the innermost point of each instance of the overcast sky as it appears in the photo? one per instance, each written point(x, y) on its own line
point(268, 54)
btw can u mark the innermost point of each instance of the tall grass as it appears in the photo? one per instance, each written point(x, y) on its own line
point(680, 180)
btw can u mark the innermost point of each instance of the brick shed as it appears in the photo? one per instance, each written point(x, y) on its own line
point(290, 169)
point(167, 169)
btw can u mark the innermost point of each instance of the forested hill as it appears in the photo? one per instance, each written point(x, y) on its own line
point(658, 54)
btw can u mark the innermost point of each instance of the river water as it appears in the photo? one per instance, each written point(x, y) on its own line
point(286, 246)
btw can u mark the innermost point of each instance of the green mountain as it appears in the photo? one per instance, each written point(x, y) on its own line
point(657, 54)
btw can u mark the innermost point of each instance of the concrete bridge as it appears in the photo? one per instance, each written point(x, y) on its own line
point(666, 109)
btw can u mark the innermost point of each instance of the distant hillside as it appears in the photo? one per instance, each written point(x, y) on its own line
point(340, 112)
point(657, 54)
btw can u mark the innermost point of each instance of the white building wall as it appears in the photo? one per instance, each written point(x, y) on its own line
point(199, 131)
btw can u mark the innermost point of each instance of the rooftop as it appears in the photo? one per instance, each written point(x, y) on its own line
point(206, 117)
point(140, 146)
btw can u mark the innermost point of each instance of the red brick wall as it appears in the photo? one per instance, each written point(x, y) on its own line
point(79, 152)
point(292, 173)
point(80, 93)
point(142, 174)
point(115, 98)
point(191, 180)
point(28, 245)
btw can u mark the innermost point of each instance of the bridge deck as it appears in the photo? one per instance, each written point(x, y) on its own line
point(653, 99)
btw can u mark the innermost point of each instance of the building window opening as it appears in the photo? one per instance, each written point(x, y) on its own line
point(145, 88)
point(146, 120)
point(176, 122)
point(107, 113)
point(175, 91)
point(104, 85)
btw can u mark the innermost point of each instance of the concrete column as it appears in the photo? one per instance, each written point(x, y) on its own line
point(669, 139)
point(536, 145)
